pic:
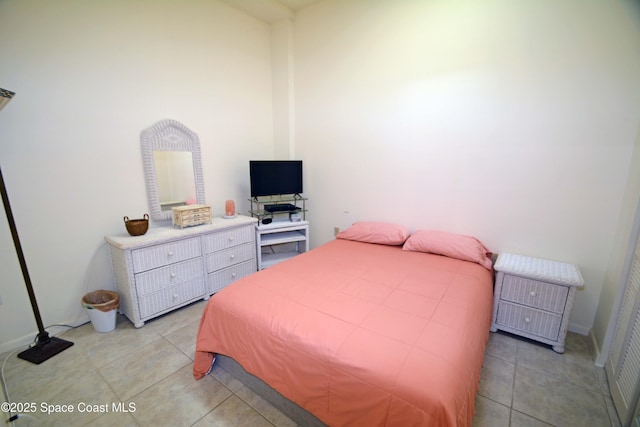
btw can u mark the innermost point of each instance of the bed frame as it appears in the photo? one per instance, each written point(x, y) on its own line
point(284, 405)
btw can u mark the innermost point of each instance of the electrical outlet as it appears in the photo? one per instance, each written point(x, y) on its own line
point(336, 230)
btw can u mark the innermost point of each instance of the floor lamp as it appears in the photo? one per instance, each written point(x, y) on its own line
point(45, 346)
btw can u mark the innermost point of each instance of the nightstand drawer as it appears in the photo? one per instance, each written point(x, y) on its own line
point(529, 320)
point(533, 293)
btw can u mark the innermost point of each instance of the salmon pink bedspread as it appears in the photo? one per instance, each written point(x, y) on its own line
point(359, 333)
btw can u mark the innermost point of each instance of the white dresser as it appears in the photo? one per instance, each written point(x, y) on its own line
point(168, 267)
point(533, 298)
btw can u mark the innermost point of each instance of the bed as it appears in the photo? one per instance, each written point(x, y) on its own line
point(374, 328)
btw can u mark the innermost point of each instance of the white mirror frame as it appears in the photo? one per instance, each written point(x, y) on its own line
point(169, 135)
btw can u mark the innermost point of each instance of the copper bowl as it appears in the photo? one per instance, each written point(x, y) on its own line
point(137, 227)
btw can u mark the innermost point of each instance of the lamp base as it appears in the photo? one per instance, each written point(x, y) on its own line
point(44, 349)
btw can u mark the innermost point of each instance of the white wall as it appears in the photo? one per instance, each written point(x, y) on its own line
point(89, 77)
point(282, 61)
point(511, 121)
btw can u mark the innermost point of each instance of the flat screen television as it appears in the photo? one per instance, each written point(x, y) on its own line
point(275, 177)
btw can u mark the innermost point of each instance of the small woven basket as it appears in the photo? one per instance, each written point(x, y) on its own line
point(137, 227)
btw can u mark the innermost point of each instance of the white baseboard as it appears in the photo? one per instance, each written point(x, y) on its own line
point(595, 349)
point(578, 329)
point(597, 352)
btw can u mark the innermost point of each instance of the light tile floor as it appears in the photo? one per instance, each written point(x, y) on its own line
point(147, 372)
point(525, 383)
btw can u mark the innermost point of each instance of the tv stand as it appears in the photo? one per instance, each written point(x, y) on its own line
point(276, 207)
point(280, 240)
point(283, 237)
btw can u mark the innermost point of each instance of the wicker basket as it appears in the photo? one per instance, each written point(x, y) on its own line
point(137, 227)
point(101, 300)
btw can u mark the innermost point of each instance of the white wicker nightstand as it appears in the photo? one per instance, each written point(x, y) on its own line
point(533, 298)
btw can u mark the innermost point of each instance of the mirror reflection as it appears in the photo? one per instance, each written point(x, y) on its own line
point(174, 178)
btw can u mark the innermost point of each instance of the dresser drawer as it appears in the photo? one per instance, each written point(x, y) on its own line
point(167, 253)
point(529, 320)
point(221, 278)
point(166, 299)
point(228, 238)
point(231, 256)
point(545, 296)
point(161, 278)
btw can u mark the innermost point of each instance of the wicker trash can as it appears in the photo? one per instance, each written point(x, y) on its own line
point(102, 307)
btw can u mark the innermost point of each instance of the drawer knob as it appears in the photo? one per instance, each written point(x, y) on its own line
point(233, 274)
point(231, 238)
point(532, 293)
point(175, 296)
point(232, 256)
point(173, 275)
point(527, 320)
point(170, 253)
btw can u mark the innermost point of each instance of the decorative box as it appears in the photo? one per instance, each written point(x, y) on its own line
point(190, 215)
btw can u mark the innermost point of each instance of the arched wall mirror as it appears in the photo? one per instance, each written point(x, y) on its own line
point(172, 167)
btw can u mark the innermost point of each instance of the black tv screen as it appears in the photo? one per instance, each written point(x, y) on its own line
point(275, 177)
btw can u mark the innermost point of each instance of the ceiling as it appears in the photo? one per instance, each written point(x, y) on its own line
point(270, 11)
